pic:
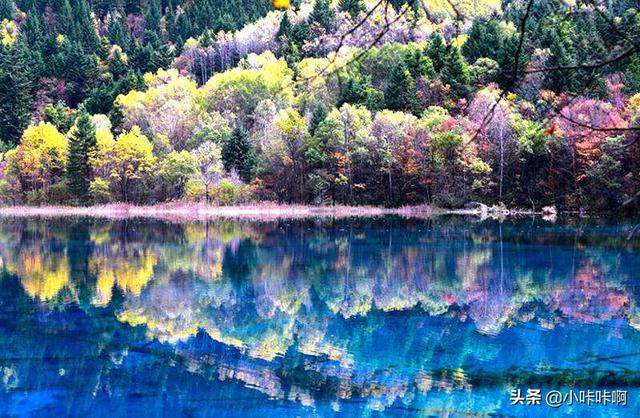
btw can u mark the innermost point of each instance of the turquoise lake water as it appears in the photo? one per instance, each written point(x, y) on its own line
point(356, 317)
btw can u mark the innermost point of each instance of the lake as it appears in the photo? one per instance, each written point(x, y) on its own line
point(378, 316)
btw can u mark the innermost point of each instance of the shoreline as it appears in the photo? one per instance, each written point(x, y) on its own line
point(184, 211)
point(257, 211)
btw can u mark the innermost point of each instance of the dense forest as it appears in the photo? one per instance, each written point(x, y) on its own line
point(381, 102)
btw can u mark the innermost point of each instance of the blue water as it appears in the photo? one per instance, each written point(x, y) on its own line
point(356, 317)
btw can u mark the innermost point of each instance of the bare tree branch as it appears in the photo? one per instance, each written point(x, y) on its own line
point(613, 26)
point(388, 24)
point(586, 66)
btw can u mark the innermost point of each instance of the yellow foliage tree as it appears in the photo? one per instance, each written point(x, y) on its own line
point(130, 158)
point(168, 107)
point(258, 77)
point(40, 159)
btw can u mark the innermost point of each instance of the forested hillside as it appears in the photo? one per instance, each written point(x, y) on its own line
point(526, 102)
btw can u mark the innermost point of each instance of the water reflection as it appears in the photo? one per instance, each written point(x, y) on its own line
point(318, 316)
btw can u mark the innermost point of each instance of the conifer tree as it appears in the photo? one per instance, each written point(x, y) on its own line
point(359, 90)
point(117, 65)
point(285, 27)
point(291, 54)
point(401, 90)
point(301, 32)
point(323, 14)
point(85, 32)
point(161, 58)
point(562, 54)
point(238, 154)
point(319, 115)
point(7, 9)
point(506, 60)
point(185, 28)
point(437, 51)
point(170, 19)
point(455, 72)
point(353, 7)
point(419, 64)
point(81, 72)
point(64, 16)
point(152, 16)
point(484, 40)
point(81, 141)
point(32, 29)
point(117, 33)
point(16, 103)
point(289, 50)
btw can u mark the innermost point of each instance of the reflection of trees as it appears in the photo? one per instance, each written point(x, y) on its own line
point(281, 273)
point(279, 268)
point(329, 291)
point(42, 274)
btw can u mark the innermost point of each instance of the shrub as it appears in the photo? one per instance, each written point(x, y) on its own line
point(99, 191)
point(7, 196)
point(195, 191)
point(225, 192)
point(34, 197)
point(59, 193)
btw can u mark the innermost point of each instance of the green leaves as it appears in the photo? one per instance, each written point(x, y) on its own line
point(82, 140)
point(238, 154)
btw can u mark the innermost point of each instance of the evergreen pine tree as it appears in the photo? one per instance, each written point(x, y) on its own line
point(117, 33)
point(301, 32)
point(353, 7)
point(485, 37)
point(16, 103)
point(117, 66)
point(455, 72)
point(506, 61)
point(185, 29)
point(401, 89)
point(170, 19)
point(398, 4)
point(238, 154)
point(85, 32)
point(359, 90)
point(285, 28)
point(81, 72)
point(102, 7)
point(323, 14)
point(437, 51)
point(290, 53)
point(81, 141)
point(418, 63)
point(632, 74)
point(289, 50)
point(161, 58)
point(132, 7)
point(32, 29)
point(152, 16)
point(7, 10)
point(64, 16)
point(140, 58)
point(103, 49)
point(562, 54)
point(319, 115)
